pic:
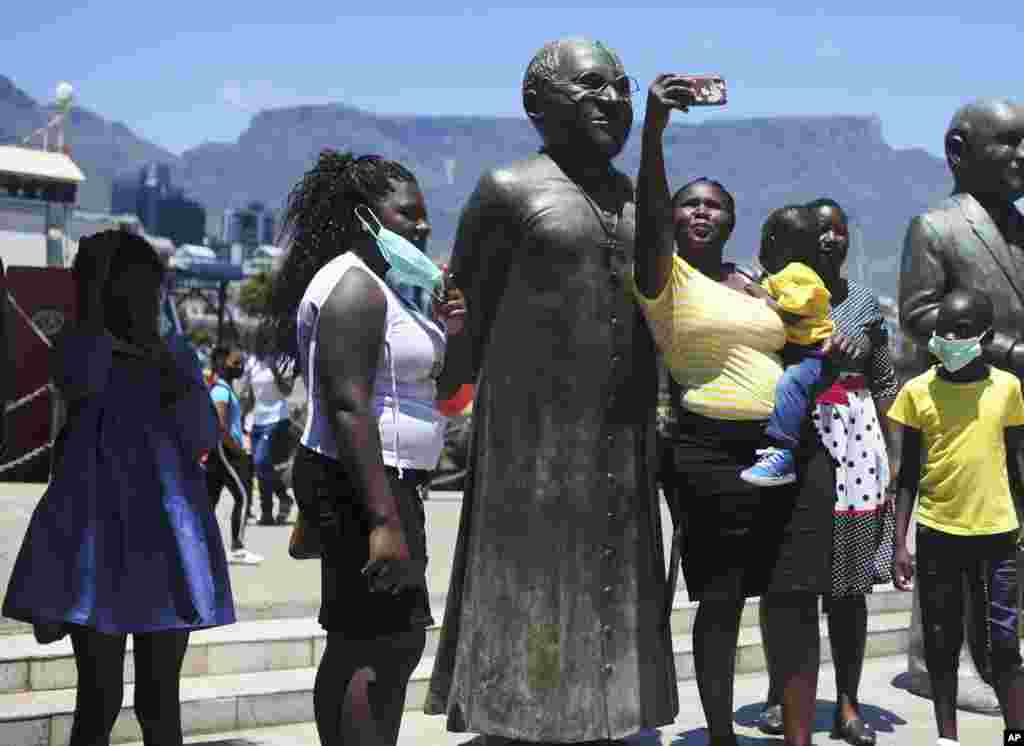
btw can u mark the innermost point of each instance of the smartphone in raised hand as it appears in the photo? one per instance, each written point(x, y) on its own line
point(708, 90)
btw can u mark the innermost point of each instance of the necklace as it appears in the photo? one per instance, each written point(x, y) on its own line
point(604, 217)
point(611, 241)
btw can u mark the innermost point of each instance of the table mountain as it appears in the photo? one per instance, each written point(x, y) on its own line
point(765, 162)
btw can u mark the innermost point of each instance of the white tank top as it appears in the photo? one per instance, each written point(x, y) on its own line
point(404, 389)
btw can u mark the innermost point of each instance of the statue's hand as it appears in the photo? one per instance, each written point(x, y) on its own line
point(450, 305)
point(1004, 351)
point(668, 91)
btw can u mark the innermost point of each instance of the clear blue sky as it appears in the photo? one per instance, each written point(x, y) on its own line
point(183, 72)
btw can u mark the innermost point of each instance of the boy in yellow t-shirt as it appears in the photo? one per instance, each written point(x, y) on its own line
point(799, 296)
point(957, 419)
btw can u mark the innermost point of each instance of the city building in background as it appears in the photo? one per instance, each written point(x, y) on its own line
point(163, 208)
point(252, 226)
point(38, 190)
point(264, 258)
point(186, 254)
point(86, 222)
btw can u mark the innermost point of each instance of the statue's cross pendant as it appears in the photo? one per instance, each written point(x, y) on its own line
point(609, 245)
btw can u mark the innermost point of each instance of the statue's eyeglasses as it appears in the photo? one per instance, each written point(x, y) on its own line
point(595, 85)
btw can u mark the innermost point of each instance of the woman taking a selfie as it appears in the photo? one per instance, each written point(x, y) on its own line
point(721, 346)
point(372, 361)
point(124, 540)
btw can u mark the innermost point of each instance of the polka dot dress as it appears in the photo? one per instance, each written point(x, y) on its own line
point(860, 552)
point(863, 526)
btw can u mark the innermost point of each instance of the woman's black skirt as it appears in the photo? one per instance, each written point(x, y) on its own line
point(741, 540)
point(323, 489)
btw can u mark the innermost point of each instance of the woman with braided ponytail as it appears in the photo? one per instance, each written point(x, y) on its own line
point(373, 365)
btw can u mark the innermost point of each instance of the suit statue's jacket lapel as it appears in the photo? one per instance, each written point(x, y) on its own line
point(987, 232)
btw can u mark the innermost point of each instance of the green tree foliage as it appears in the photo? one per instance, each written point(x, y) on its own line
point(201, 337)
point(254, 295)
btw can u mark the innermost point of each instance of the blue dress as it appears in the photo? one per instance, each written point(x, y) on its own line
point(125, 540)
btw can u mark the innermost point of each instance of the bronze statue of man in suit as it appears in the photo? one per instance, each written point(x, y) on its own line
point(972, 240)
point(555, 627)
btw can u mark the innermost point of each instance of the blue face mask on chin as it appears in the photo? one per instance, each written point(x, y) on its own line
point(955, 354)
point(408, 265)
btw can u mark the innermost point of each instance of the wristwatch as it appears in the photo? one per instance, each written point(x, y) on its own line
point(1005, 351)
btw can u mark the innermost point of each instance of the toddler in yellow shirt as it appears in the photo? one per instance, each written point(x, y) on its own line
point(799, 296)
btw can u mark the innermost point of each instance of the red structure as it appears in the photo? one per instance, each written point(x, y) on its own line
point(459, 402)
point(42, 300)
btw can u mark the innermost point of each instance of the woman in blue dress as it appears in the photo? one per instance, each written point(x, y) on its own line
point(124, 540)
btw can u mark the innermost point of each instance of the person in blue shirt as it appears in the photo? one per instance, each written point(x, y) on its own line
point(124, 540)
point(228, 464)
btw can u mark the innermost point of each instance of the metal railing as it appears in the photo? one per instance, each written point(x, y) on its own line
point(56, 405)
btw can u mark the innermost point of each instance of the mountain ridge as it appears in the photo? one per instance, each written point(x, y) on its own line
point(764, 161)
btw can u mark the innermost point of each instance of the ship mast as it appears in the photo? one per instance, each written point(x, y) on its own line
point(64, 98)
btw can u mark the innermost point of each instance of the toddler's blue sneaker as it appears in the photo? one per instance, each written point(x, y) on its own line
point(774, 467)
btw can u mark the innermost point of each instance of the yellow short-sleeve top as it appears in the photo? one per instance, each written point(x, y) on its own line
point(800, 290)
point(719, 344)
point(964, 487)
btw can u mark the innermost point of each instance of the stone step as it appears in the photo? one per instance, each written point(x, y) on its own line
point(899, 717)
point(417, 730)
point(244, 647)
point(277, 644)
point(237, 701)
point(882, 601)
point(209, 704)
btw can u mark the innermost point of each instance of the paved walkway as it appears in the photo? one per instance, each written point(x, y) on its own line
point(16, 504)
point(280, 586)
point(900, 718)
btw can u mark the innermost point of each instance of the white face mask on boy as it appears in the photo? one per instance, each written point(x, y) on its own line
point(955, 354)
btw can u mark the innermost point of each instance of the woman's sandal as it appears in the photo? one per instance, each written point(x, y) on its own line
point(854, 731)
point(770, 721)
